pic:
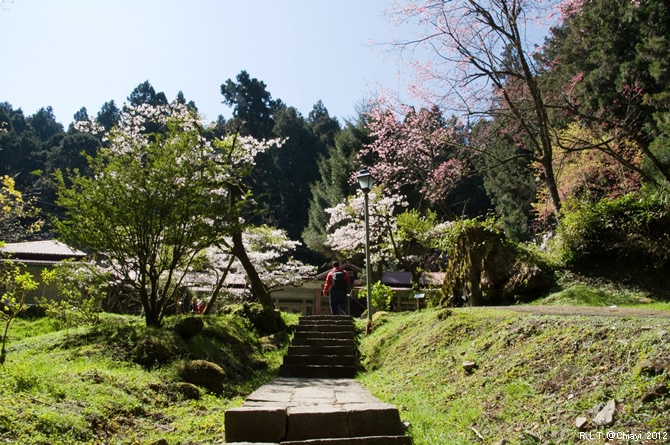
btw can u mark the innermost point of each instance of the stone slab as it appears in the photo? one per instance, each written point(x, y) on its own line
point(255, 424)
point(315, 422)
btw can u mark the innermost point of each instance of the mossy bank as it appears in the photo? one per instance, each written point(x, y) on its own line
point(467, 376)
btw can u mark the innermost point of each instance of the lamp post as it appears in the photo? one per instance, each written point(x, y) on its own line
point(365, 182)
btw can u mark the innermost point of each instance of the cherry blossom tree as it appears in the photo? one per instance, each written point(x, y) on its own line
point(346, 226)
point(269, 249)
point(477, 57)
point(417, 153)
point(158, 199)
point(398, 237)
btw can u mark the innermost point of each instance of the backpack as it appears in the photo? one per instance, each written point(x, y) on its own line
point(339, 282)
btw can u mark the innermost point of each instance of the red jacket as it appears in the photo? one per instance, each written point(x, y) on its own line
point(329, 279)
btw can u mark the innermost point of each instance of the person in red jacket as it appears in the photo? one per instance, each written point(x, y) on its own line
point(337, 287)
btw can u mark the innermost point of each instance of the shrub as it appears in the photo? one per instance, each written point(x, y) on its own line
point(382, 295)
point(625, 231)
point(80, 294)
point(624, 240)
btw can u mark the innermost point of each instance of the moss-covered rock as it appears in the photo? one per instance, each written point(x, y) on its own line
point(204, 374)
point(484, 268)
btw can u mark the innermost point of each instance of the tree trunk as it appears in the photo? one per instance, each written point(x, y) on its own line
point(209, 308)
point(257, 287)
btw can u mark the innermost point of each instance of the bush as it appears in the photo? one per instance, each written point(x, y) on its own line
point(630, 230)
point(80, 294)
point(382, 295)
point(626, 239)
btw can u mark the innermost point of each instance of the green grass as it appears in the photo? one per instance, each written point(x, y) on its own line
point(85, 386)
point(579, 291)
point(535, 374)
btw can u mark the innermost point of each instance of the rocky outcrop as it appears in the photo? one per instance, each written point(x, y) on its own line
point(486, 269)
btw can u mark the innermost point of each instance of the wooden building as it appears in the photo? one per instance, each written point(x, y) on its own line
point(35, 256)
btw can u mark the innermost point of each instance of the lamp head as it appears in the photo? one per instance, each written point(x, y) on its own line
point(365, 180)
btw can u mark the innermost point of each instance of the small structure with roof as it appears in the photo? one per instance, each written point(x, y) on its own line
point(35, 256)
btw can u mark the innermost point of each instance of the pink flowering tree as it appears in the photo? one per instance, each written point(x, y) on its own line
point(156, 200)
point(476, 57)
point(418, 153)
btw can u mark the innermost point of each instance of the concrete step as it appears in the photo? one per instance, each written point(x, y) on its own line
point(373, 440)
point(298, 341)
point(317, 371)
point(320, 350)
point(323, 327)
point(283, 412)
point(329, 318)
point(347, 360)
point(319, 334)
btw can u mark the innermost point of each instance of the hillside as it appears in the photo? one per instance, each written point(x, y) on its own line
point(495, 376)
point(530, 377)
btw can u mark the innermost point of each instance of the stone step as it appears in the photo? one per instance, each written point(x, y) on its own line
point(372, 440)
point(317, 371)
point(274, 422)
point(323, 327)
point(325, 335)
point(298, 341)
point(320, 350)
point(329, 318)
point(347, 360)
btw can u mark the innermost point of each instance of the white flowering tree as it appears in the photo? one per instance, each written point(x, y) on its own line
point(158, 199)
point(346, 227)
point(398, 237)
point(269, 250)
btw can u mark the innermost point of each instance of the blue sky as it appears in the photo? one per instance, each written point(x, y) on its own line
point(73, 53)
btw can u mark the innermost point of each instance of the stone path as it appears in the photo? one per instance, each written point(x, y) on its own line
point(310, 403)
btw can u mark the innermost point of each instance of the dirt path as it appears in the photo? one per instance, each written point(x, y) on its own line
point(589, 311)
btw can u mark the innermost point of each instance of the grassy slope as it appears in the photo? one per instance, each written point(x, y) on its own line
point(535, 375)
point(80, 386)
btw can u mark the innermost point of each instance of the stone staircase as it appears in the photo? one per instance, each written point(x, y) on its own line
point(322, 347)
point(316, 400)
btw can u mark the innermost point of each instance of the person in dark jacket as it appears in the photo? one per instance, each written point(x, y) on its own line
point(337, 287)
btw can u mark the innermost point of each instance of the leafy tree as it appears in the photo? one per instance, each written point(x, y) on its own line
point(14, 283)
point(335, 171)
point(180, 99)
point(81, 115)
point(609, 57)
point(324, 127)
point(14, 286)
point(509, 178)
point(81, 290)
point(44, 124)
point(15, 211)
point(108, 116)
point(293, 169)
point(155, 201)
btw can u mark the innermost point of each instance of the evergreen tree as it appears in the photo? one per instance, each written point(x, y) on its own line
point(335, 172)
